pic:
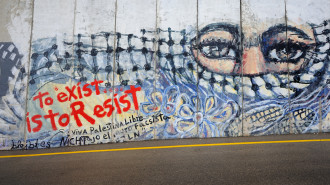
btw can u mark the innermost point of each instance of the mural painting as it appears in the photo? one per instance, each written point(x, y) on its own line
point(114, 71)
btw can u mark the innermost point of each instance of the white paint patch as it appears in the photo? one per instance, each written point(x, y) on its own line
point(52, 18)
point(298, 85)
point(177, 14)
point(316, 67)
point(230, 90)
point(265, 93)
point(247, 81)
point(308, 11)
point(258, 80)
point(134, 15)
point(11, 48)
point(4, 54)
point(218, 78)
point(281, 91)
point(12, 56)
point(272, 80)
point(213, 11)
point(95, 16)
point(306, 78)
point(248, 92)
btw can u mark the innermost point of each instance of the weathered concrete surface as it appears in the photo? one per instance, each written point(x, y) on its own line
point(290, 163)
point(15, 32)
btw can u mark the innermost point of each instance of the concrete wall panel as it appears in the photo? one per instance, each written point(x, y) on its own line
point(219, 63)
point(51, 69)
point(265, 80)
point(134, 68)
point(94, 35)
point(176, 73)
point(308, 22)
point(14, 50)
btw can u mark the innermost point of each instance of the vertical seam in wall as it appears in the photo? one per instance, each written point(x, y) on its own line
point(28, 71)
point(197, 43)
point(287, 64)
point(73, 58)
point(241, 48)
point(114, 66)
point(320, 116)
point(155, 60)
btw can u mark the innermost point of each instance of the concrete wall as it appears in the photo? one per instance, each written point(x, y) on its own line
point(79, 72)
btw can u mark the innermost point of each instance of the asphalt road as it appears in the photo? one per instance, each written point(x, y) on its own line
point(272, 163)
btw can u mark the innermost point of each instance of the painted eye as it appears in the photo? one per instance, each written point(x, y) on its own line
point(218, 50)
point(287, 52)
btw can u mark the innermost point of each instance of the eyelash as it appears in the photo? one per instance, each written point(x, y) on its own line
point(218, 50)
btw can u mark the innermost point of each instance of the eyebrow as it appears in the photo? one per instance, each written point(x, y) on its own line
point(233, 29)
point(284, 28)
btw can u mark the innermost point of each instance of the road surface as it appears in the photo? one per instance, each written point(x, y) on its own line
point(243, 161)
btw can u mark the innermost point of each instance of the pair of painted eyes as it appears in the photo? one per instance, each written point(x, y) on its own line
point(277, 52)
